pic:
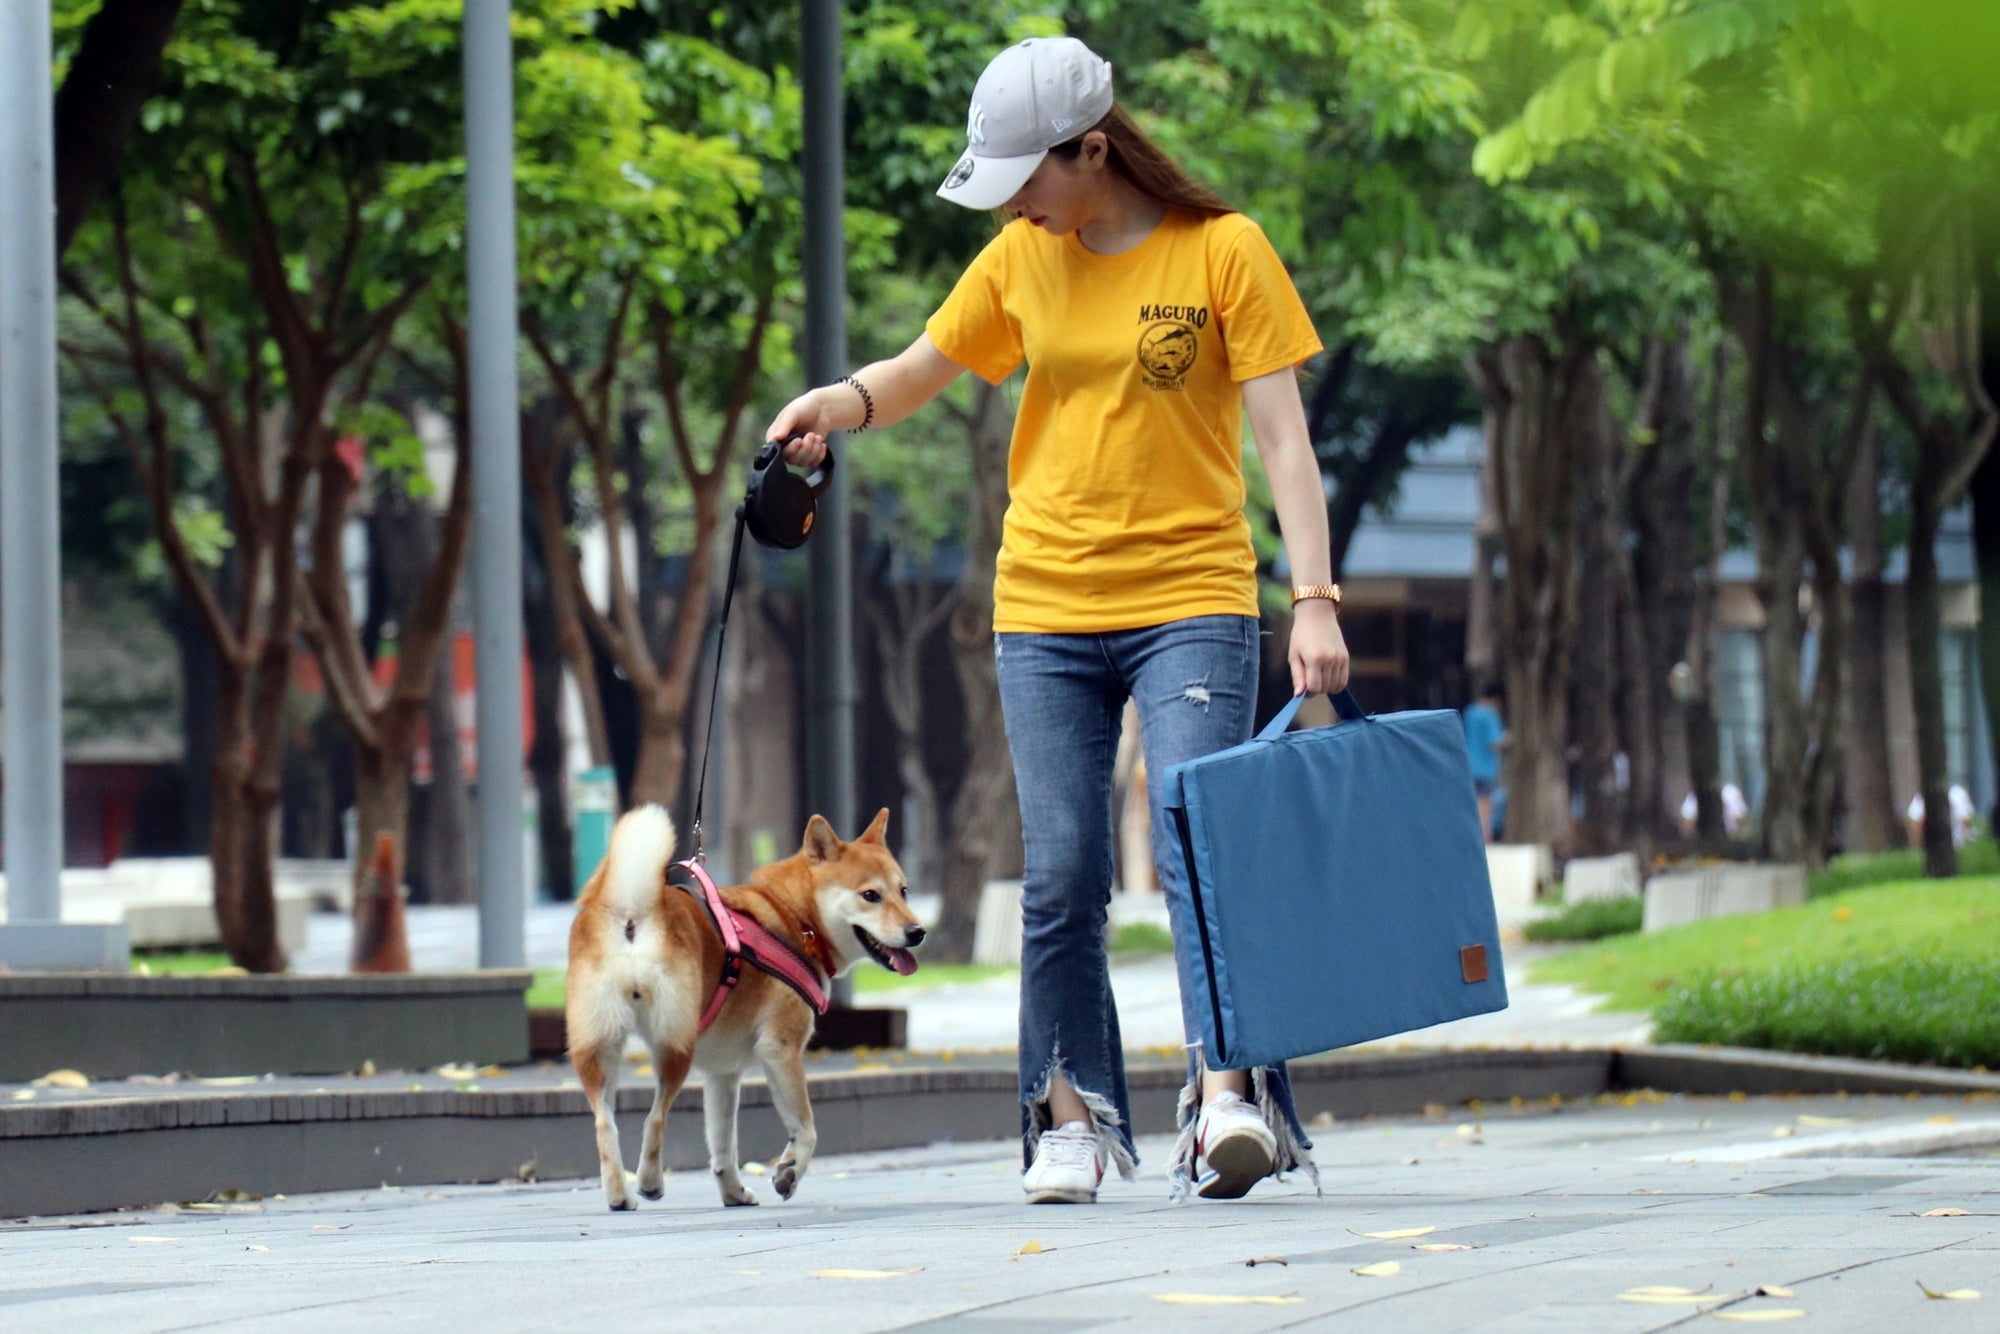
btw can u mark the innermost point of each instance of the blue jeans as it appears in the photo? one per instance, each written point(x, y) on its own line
point(1063, 695)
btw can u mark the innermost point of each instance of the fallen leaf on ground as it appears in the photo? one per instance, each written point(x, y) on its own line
point(1396, 1234)
point(1781, 1132)
point(202, 1204)
point(1665, 1296)
point(1942, 1120)
point(1945, 1213)
point(1254, 1261)
point(1467, 1131)
point(1223, 1299)
point(367, 1068)
point(331, 1227)
point(256, 1248)
point(492, 1072)
point(1843, 914)
point(1821, 1122)
point(755, 1169)
point(1029, 1247)
point(22, 1095)
point(234, 1081)
point(1955, 1295)
point(1380, 1269)
point(228, 970)
point(165, 1241)
point(1773, 1290)
point(865, 1273)
point(1444, 1246)
point(457, 1072)
point(63, 1079)
point(1761, 1314)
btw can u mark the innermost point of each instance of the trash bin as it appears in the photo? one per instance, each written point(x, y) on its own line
point(594, 797)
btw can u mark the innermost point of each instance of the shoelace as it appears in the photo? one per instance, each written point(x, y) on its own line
point(1061, 1149)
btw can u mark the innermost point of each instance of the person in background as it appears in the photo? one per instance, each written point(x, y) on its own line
point(1963, 816)
point(1485, 733)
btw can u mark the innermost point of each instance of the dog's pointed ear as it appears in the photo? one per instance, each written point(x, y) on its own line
point(876, 828)
point(822, 844)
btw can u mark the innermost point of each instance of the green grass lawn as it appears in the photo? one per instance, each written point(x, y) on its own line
point(1856, 869)
point(179, 963)
point(1927, 921)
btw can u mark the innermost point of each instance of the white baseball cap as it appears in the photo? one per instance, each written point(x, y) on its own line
point(1034, 95)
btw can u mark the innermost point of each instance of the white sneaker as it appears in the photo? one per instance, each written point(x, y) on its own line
point(1068, 1165)
point(1239, 1148)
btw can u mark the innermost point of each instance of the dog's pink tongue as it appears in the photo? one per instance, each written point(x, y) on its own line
point(902, 961)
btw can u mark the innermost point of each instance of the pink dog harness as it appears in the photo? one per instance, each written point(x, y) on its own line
point(744, 938)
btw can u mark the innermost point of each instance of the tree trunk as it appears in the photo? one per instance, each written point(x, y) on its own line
point(1872, 823)
point(983, 805)
point(547, 755)
point(900, 628)
point(1704, 739)
point(1985, 488)
point(114, 72)
point(656, 777)
point(200, 664)
point(1660, 500)
point(549, 482)
point(1482, 641)
point(1541, 400)
point(449, 859)
point(1595, 672)
point(1925, 626)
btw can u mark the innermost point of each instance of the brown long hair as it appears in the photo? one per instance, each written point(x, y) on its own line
point(1146, 167)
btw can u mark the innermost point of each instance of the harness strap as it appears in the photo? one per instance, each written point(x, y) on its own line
point(745, 939)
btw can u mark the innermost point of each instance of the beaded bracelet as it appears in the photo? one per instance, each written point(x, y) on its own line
point(867, 401)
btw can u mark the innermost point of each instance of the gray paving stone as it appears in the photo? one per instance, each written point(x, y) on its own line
point(1557, 1231)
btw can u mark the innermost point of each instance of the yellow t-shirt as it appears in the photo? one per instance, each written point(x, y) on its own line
point(1125, 477)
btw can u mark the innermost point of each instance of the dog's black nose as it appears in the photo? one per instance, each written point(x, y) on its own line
point(913, 937)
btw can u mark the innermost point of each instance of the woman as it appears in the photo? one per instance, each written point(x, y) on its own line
point(1150, 317)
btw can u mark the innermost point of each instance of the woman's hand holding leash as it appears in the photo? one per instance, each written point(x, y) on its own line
point(807, 419)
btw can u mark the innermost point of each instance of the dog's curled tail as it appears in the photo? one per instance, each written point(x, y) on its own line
point(641, 846)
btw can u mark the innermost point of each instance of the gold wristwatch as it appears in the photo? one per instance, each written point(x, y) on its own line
point(1328, 592)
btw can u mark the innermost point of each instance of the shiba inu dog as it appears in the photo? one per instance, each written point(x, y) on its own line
point(647, 957)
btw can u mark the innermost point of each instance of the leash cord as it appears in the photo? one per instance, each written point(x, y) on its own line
point(715, 681)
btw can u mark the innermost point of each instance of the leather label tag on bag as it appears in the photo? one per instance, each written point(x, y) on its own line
point(1472, 962)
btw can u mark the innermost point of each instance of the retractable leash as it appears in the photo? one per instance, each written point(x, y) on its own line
point(777, 510)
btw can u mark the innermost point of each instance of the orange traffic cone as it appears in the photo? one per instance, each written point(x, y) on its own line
point(381, 942)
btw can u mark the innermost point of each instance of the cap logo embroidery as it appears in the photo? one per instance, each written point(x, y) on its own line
point(1060, 124)
point(975, 125)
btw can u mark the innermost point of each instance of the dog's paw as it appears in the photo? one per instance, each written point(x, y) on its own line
point(623, 1205)
point(786, 1179)
point(653, 1191)
point(734, 1192)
